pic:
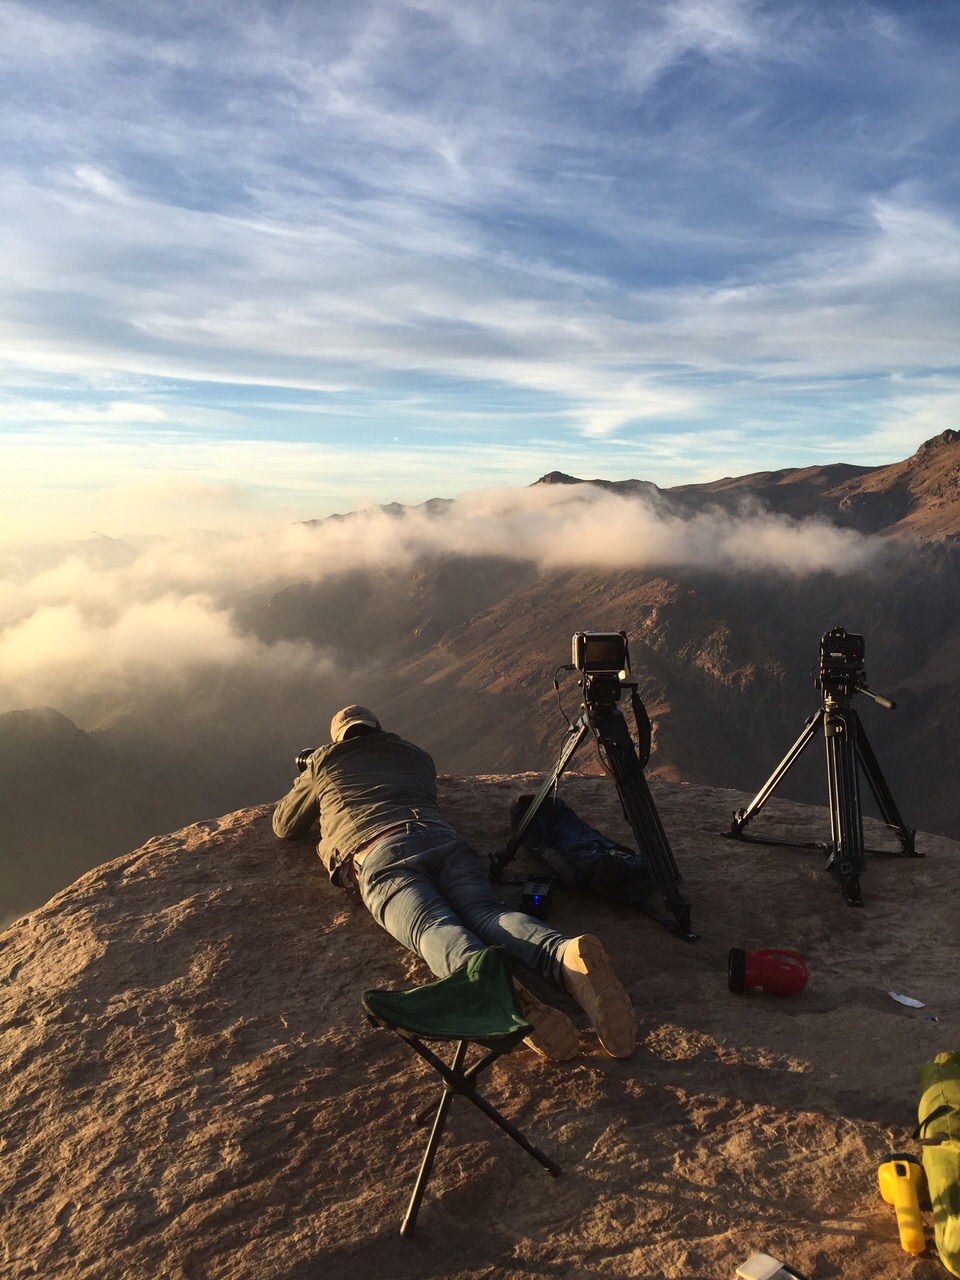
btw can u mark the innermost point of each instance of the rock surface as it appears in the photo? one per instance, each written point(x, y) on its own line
point(190, 1091)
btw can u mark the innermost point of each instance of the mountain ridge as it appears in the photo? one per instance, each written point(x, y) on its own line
point(918, 496)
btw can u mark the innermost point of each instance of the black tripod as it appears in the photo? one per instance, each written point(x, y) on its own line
point(840, 677)
point(601, 716)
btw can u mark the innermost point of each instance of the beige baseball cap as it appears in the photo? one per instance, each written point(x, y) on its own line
point(349, 716)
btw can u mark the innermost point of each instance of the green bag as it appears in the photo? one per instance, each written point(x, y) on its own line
point(939, 1131)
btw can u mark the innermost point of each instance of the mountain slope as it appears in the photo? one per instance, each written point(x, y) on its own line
point(919, 496)
point(462, 651)
point(68, 802)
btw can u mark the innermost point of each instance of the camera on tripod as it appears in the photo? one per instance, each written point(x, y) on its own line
point(603, 660)
point(841, 660)
point(600, 653)
point(840, 675)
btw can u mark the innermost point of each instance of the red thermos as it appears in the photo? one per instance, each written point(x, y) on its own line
point(780, 973)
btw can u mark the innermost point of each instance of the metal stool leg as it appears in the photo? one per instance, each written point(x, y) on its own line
point(433, 1142)
point(464, 1086)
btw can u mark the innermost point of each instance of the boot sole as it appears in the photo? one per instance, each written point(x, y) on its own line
point(590, 979)
point(554, 1035)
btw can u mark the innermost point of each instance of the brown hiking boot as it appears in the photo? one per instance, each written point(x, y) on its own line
point(554, 1035)
point(589, 977)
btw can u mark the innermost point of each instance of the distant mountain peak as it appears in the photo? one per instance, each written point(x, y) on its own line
point(937, 442)
point(559, 477)
point(36, 719)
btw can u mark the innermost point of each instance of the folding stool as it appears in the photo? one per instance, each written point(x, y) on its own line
point(475, 1005)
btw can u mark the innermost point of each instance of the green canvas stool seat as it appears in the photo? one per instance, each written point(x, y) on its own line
point(475, 1005)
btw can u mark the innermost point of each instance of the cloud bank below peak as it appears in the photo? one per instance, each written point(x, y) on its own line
point(111, 621)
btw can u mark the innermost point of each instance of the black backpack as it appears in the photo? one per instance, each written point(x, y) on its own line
point(581, 857)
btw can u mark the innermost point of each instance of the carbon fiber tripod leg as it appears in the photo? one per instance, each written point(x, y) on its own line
point(620, 758)
point(742, 816)
point(883, 795)
point(846, 855)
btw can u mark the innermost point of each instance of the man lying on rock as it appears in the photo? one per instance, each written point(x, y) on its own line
point(381, 832)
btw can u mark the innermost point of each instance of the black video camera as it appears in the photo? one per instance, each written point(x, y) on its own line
point(841, 659)
point(598, 653)
point(603, 661)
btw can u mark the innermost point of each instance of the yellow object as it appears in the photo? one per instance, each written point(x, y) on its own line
point(901, 1180)
point(939, 1131)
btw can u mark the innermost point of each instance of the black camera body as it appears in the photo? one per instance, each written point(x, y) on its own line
point(303, 757)
point(603, 660)
point(598, 653)
point(841, 660)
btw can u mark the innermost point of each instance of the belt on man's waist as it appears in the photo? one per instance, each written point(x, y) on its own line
point(362, 850)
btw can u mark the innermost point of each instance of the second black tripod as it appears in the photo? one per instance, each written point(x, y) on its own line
point(839, 677)
point(603, 660)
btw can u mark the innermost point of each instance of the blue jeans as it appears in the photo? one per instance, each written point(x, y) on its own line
point(424, 884)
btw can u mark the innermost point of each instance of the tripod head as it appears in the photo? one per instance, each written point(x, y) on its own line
point(603, 660)
point(840, 672)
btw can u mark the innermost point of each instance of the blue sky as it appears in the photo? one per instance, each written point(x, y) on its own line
point(265, 261)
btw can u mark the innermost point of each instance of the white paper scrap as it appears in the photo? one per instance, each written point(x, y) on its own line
point(907, 1000)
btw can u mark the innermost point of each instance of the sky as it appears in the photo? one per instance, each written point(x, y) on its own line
point(262, 262)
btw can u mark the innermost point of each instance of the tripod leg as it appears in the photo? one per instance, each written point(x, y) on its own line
point(846, 856)
point(620, 758)
point(882, 794)
point(574, 737)
point(742, 816)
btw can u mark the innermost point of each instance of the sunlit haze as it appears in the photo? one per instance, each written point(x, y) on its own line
point(267, 261)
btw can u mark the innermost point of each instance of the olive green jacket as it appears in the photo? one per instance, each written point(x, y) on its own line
point(356, 789)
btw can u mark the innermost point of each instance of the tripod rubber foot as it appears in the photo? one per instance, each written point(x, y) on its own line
point(851, 892)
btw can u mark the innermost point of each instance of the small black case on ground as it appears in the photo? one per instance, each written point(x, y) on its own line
point(535, 898)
